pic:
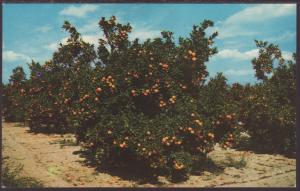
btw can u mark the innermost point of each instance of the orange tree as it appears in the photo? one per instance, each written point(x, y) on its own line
point(139, 103)
point(43, 112)
point(220, 104)
point(146, 103)
point(15, 96)
point(269, 108)
point(51, 89)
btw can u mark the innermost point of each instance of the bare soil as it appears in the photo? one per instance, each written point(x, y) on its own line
point(46, 160)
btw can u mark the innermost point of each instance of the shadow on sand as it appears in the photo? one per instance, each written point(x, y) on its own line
point(137, 171)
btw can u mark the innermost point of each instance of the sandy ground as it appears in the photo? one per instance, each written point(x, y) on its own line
point(55, 166)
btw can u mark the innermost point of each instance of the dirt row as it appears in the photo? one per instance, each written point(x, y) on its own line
point(45, 159)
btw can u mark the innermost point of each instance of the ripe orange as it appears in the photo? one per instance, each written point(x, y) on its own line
point(123, 145)
point(228, 116)
point(98, 90)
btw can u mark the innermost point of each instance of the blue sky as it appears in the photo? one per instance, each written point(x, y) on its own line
point(33, 31)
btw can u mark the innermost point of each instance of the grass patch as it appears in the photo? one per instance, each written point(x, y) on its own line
point(238, 164)
point(11, 178)
point(207, 164)
point(65, 142)
point(19, 125)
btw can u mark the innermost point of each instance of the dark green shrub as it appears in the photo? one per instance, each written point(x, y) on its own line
point(56, 85)
point(141, 102)
point(15, 91)
point(269, 109)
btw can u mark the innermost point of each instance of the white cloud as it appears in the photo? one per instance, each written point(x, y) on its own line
point(236, 24)
point(78, 11)
point(288, 35)
point(247, 55)
point(236, 54)
point(140, 32)
point(91, 26)
point(261, 13)
point(92, 39)
point(43, 29)
point(54, 45)
point(11, 56)
point(242, 72)
point(287, 55)
point(233, 31)
point(144, 34)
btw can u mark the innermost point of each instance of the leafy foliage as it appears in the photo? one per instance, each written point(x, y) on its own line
point(14, 102)
point(269, 107)
point(149, 104)
point(11, 178)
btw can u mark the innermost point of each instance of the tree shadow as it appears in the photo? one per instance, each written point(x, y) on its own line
point(246, 144)
point(49, 131)
point(129, 169)
point(141, 173)
point(207, 164)
point(45, 131)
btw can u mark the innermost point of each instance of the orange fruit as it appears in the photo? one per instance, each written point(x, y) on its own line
point(98, 90)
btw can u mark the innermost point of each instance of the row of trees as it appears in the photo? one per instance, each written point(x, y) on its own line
point(151, 102)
